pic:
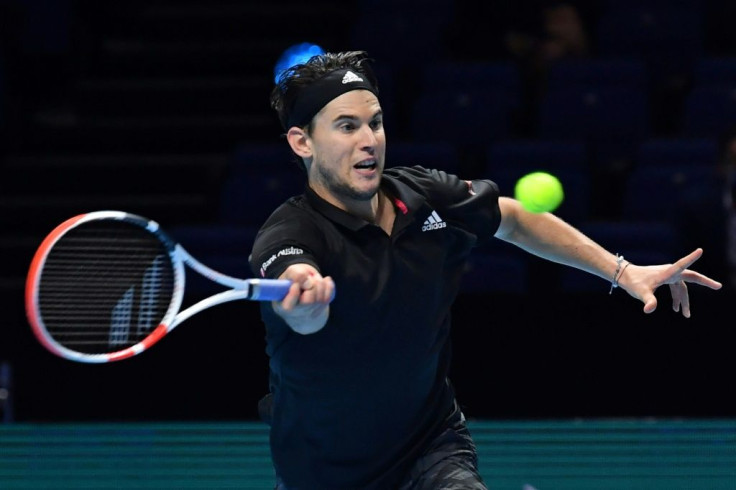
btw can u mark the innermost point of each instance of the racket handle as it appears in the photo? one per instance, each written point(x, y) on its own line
point(268, 289)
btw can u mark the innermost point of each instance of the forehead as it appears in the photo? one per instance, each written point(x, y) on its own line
point(352, 103)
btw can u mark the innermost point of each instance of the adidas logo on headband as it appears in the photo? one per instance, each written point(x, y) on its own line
point(312, 98)
point(351, 77)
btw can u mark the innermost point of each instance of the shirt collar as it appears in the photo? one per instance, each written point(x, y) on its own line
point(405, 200)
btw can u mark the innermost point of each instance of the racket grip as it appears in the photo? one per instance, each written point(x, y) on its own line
point(268, 289)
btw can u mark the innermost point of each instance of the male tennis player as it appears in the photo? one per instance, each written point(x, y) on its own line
point(360, 392)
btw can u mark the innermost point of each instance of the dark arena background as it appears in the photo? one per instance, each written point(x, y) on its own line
point(161, 108)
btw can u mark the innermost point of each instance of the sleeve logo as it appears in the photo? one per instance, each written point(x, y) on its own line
point(286, 251)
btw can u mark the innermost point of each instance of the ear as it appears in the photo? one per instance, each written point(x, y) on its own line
point(299, 142)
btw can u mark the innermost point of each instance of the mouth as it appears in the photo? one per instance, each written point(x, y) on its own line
point(368, 164)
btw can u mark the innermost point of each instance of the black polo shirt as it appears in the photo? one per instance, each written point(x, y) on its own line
point(353, 403)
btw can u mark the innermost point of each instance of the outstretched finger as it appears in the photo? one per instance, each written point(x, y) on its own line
point(700, 279)
point(689, 259)
point(679, 272)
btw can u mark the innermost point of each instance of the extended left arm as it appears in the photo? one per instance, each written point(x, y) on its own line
point(551, 238)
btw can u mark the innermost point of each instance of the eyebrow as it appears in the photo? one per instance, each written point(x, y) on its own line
point(353, 117)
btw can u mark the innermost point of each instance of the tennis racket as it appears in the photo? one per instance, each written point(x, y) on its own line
point(107, 285)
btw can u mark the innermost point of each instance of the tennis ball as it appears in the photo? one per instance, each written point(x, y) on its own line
point(539, 192)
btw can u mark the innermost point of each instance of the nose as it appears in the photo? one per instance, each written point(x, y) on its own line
point(368, 139)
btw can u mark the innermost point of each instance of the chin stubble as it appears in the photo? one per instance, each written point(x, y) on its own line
point(342, 189)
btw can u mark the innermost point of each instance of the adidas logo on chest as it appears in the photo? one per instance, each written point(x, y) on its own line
point(433, 222)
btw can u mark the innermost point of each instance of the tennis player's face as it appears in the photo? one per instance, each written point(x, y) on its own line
point(348, 149)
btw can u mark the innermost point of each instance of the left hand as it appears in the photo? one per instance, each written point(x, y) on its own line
point(642, 281)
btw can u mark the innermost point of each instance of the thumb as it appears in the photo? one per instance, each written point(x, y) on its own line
point(650, 303)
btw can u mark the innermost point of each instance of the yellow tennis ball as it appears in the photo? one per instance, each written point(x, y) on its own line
point(539, 192)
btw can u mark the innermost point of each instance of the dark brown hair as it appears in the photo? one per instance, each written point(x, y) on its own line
point(293, 80)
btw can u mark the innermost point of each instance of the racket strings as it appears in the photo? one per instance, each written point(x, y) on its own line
point(105, 286)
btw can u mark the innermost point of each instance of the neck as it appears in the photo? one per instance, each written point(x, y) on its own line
point(370, 210)
point(384, 213)
point(379, 210)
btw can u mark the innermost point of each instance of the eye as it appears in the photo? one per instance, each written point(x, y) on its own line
point(347, 127)
point(376, 124)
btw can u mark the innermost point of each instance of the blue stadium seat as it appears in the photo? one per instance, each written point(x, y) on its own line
point(465, 118)
point(668, 36)
point(495, 273)
point(609, 4)
point(677, 151)
point(671, 193)
point(688, 197)
point(611, 120)
point(47, 26)
point(466, 103)
point(472, 75)
point(403, 34)
point(262, 158)
point(635, 237)
point(3, 95)
point(594, 114)
point(430, 154)
point(260, 178)
point(584, 73)
point(715, 70)
point(249, 199)
point(531, 153)
point(214, 238)
point(387, 95)
point(710, 110)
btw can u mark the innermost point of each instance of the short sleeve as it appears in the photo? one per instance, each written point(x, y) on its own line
point(468, 204)
point(287, 238)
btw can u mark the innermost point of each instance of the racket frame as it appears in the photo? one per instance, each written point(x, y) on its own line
point(252, 289)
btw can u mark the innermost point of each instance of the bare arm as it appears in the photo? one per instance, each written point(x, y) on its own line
point(549, 237)
point(306, 307)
